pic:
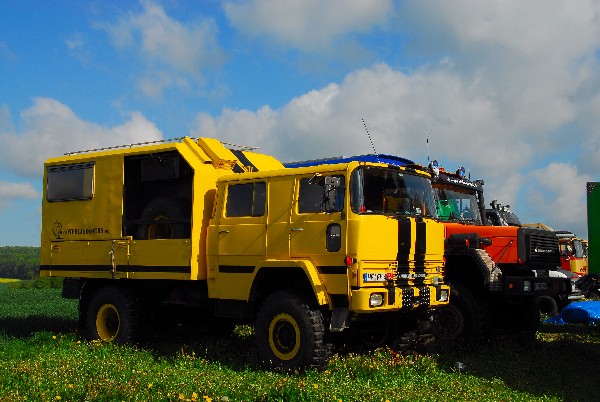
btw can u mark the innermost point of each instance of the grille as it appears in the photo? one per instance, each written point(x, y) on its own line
point(541, 248)
point(408, 298)
point(424, 296)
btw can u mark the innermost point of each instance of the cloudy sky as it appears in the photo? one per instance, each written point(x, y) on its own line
point(509, 89)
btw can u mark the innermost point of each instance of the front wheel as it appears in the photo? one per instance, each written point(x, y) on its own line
point(465, 318)
point(290, 335)
point(111, 316)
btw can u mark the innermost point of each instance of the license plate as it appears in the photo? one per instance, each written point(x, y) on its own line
point(540, 286)
point(373, 277)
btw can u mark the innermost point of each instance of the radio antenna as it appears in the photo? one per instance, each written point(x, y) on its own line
point(429, 135)
point(370, 140)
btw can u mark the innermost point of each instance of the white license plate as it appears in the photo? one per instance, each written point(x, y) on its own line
point(373, 277)
point(540, 286)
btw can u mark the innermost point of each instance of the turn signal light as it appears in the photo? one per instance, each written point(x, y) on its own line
point(348, 261)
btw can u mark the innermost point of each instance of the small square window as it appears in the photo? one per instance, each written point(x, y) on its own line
point(70, 182)
point(246, 199)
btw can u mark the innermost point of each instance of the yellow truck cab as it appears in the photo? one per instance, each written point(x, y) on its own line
point(302, 253)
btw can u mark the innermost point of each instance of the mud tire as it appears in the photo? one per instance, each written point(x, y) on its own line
point(466, 318)
point(290, 335)
point(111, 316)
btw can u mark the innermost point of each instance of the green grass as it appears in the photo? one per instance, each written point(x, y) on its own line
point(43, 358)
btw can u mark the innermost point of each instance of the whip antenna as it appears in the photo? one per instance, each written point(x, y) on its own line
point(429, 135)
point(370, 140)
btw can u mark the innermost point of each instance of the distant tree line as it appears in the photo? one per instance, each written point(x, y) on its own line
point(19, 262)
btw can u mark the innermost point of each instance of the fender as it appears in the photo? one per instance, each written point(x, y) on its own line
point(310, 270)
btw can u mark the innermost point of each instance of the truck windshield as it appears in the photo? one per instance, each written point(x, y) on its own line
point(578, 249)
point(510, 218)
point(457, 205)
point(384, 191)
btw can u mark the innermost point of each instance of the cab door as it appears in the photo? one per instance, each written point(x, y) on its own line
point(318, 227)
point(241, 237)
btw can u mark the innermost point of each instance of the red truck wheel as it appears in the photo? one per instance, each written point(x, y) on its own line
point(466, 318)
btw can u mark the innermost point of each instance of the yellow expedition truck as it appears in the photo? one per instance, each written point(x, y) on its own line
point(300, 253)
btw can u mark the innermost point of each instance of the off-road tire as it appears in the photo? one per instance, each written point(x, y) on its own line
point(593, 295)
point(157, 210)
point(466, 318)
point(548, 306)
point(111, 316)
point(290, 334)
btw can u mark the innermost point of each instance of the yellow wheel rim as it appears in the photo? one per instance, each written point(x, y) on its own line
point(284, 336)
point(108, 322)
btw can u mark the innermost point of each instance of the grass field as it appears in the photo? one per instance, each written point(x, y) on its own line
point(42, 358)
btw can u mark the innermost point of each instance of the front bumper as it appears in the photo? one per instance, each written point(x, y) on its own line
point(536, 286)
point(398, 298)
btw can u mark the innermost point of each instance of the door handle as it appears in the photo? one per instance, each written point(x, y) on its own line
point(296, 229)
point(223, 231)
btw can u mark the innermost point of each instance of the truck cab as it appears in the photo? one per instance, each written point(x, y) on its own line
point(573, 254)
point(501, 215)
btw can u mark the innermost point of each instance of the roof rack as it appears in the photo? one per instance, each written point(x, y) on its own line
point(240, 147)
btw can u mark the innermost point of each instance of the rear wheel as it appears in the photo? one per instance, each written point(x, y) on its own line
point(593, 295)
point(290, 335)
point(111, 316)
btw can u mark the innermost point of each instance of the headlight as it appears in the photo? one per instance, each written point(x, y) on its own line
point(443, 295)
point(376, 300)
point(527, 286)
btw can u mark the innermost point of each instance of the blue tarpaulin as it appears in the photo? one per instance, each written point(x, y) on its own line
point(586, 312)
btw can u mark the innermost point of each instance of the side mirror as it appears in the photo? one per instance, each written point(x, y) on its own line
point(330, 194)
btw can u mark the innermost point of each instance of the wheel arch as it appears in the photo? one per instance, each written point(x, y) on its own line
point(300, 276)
point(465, 269)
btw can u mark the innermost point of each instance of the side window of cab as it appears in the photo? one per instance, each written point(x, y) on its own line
point(246, 200)
point(321, 194)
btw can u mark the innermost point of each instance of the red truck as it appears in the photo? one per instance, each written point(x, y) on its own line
point(496, 272)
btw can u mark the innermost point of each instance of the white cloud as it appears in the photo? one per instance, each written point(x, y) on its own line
point(17, 190)
point(5, 120)
point(167, 46)
point(558, 192)
point(49, 128)
point(534, 57)
point(400, 111)
point(307, 24)
point(10, 192)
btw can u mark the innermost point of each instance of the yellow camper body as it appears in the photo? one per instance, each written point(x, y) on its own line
point(91, 209)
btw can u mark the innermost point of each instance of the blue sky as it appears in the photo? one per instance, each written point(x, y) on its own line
point(510, 90)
